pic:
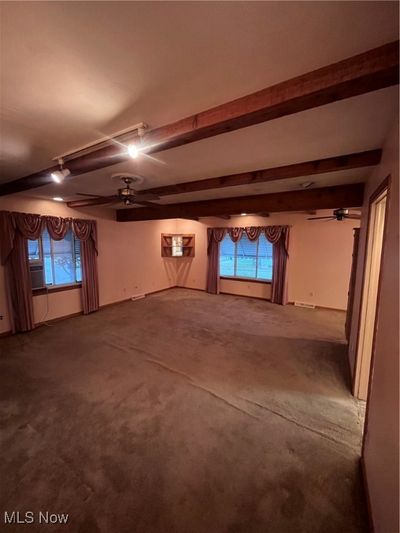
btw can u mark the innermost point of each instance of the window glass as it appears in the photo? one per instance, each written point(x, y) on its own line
point(246, 259)
point(78, 268)
point(264, 266)
point(61, 259)
point(33, 250)
point(48, 264)
point(227, 257)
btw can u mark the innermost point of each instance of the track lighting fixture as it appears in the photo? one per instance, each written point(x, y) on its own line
point(58, 176)
point(134, 149)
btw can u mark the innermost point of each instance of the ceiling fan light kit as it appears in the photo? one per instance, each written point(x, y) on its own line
point(125, 194)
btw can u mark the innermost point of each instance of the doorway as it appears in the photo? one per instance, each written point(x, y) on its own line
point(370, 290)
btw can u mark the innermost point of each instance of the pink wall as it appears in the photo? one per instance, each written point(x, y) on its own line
point(319, 266)
point(381, 453)
point(129, 259)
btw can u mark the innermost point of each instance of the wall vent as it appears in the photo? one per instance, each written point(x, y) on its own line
point(304, 304)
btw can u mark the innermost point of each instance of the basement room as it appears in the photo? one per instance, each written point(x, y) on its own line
point(199, 267)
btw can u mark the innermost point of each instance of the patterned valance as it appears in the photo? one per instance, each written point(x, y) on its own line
point(272, 233)
point(31, 226)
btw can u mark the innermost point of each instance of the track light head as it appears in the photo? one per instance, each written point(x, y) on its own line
point(58, 176)
point(133, 151)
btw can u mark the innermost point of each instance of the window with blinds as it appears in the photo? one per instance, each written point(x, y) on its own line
point(246, 259)
point(54, 263)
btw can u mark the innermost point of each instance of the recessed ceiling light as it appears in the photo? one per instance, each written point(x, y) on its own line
point(133, 151)
point(307, 184)
point(58, 199)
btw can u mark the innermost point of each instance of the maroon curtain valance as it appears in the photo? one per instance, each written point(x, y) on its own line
point(15, 230)
point(272, 233)
point(32, 226)
point(276, 235)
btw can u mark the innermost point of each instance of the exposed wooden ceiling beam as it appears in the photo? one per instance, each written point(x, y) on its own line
point(323, 198)
point(306, 168)
point(363, 73)
point(360, 74)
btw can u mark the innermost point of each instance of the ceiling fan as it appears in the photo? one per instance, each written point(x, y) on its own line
point(126, 194)
point(339, 214)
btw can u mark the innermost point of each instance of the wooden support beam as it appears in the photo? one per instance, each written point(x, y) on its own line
point(309, 199)
point(305, 168)
point(360, 74)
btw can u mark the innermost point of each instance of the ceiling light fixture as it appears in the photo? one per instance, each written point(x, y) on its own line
point(133, 151)
point(243, 214)
point(58, 176)
point(58, 199)
point(121, 138)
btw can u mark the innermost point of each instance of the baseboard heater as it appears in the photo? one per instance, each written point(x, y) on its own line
point(304, 304)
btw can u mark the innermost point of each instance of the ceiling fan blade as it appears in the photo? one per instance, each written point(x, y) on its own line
point(103, 200)
point(353, 216)
point(320, 218)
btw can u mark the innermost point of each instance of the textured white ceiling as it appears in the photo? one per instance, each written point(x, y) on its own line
point(72, 72)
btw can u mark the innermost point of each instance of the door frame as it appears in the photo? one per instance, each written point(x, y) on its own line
point(352, 280)
point(385, 184)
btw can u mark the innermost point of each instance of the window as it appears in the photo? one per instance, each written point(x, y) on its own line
point(54, 263)
point(246, 259)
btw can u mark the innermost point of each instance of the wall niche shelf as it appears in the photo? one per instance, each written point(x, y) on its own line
point(177, 245)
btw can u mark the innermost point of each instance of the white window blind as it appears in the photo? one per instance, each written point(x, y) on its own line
point(246, 259)
point(61, 260)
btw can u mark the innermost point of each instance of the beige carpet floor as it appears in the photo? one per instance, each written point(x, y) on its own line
point(183, 412)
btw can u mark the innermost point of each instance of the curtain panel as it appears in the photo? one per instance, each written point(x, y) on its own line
point(214, 236)
point(15, 230)
point(276, 235)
